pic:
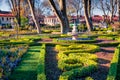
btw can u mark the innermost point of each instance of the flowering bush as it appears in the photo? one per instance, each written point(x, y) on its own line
point(9, 58)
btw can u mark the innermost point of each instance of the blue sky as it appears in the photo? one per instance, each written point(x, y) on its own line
point(4, 5)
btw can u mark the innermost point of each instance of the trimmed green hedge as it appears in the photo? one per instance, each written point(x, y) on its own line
point(108, 44)
point(75, 41)
point(78, 48)
point(69, 75)
point(41, 65)
point(113, 67)
point(76, 63)
point(107, 37)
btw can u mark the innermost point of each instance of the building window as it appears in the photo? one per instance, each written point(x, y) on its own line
point(2, 18)
point(7, 19)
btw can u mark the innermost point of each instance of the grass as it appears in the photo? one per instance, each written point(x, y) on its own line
point(27, 69)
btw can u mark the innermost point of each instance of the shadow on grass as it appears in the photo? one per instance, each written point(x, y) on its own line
point(23, 75)
point(33, 50)
point(27, 68)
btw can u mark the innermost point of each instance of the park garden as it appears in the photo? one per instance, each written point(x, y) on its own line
point(32, 56)
point(74, 48)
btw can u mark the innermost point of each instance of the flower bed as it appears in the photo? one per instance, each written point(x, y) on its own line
point(28, 67)
point(10, 56)
point(76, 63)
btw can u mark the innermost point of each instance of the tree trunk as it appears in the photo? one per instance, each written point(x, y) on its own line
point(86, 13)
point(118, 5)
point(111, 16)
point(61, 15)
point(34, 17)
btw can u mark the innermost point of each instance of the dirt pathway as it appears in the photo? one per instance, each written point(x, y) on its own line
point(104, 58)
point(52, 71)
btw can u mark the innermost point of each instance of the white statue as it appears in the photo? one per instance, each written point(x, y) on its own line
point(74, 32)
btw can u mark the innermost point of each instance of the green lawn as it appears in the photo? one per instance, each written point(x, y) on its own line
point(27, 69)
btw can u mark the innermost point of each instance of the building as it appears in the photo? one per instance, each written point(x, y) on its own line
point(97, 19)
point(6, 19)
point(51, 20)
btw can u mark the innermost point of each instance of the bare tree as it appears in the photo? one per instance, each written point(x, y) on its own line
point(118, 8)
point(42, 7)
point(77, 5)
point(15, 7)
point(112, 8)
point(86, 13)
point(36, 21)
point(109, 7)
point(60, 11)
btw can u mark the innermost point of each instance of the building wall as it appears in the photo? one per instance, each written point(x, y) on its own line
point(52, 21)
point(4, 21)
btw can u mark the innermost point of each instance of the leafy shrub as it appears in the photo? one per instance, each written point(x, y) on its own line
point(89, 78)
point(69, 75)
point(109, 44)
point(73, 60)
point(78, 48)
point(74, 41)
point(69, 64)
point(106, 37)
point(10, 57)
point(41, 66)
point(22, 40)
point(113, 67)
point(46, 31)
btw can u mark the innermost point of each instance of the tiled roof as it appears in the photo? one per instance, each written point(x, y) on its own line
point(6, 15)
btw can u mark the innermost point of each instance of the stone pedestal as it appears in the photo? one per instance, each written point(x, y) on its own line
point(74, 33)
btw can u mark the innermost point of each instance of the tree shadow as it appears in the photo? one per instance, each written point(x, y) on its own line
point(108, 51)
point(103, 61)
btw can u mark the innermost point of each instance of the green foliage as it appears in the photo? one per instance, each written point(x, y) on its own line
point(109, 44)
point(82, 27)
point(24, 21)
point(113, 67)
point(74, 41)
point(106, 37)
point(46, 31)
point(78, 48)
point(75, 63)
point(69, 75)
point(118, 38)
point(28, 67)
point(10, 56)
point(22, 40)
point(41, 65)
point(89, 78)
